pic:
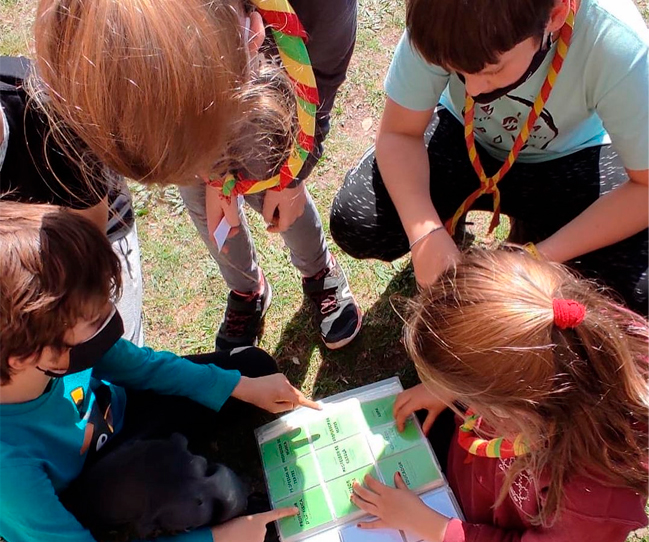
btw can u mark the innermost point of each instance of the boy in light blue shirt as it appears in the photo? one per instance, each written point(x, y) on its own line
point(578, 186)
point(100, 438)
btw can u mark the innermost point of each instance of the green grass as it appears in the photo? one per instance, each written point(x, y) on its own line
point(184, 293)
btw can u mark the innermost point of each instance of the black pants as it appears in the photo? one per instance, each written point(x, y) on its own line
point(544, 197)
point(164, 472)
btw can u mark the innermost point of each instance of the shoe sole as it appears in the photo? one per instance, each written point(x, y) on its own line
point(347, 340)
point(264, 310)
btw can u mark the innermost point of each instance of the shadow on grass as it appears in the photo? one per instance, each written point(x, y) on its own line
point(376, 353)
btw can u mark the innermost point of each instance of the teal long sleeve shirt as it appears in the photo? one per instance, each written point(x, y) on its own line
point(44, 443)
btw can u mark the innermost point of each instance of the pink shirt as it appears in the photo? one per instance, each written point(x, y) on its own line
point(591, 512)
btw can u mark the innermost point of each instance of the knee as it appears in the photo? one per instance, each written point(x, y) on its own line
point(254, 362)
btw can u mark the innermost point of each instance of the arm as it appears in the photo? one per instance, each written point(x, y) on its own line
point(413, 87)
point(400, 141)
point(613, 217)
point(400, 508)
point(98, 214)
point(619, 96)
point(163, 372)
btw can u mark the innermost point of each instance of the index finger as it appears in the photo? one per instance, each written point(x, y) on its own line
point(279, 513)
point(301, 400)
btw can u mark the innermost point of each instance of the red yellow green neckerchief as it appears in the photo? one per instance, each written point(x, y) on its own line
point(289, 35)
point(496, 447)
point(489, 185)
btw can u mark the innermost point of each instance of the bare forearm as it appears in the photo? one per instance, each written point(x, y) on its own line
point(97, 214)
point(403, 162)
point(612, 218)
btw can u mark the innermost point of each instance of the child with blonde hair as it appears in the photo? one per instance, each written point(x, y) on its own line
point(186, 93)
point(548, 381)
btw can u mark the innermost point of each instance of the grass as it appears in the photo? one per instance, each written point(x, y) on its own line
point(184, 295)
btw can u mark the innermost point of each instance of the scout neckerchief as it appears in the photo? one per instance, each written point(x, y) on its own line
point(289, 35)
point(496, 447)
point(488, 185)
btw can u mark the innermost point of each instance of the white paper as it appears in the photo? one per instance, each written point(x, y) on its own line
point(223, 229)
point(355, 534)
point(221, 233)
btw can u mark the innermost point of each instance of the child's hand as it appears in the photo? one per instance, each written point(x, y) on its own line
point(217, 207)
point(414, 399)
point(249, 528)
point(273, 393)
point(398, 508)
point(283, 208)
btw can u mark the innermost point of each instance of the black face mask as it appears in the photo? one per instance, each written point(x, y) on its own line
point(537, 60)
point(88, 353)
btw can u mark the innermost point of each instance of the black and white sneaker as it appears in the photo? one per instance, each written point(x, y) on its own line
point(336, 310)
point(244, 319)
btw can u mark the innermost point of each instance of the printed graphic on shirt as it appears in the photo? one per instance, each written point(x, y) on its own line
point(503, 131)
point(99, 429)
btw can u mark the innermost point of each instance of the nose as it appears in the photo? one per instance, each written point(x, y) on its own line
point(476, 85)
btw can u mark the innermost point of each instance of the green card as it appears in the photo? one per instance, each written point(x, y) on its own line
point(344, 457)
point(416, 466)
point(313, 511)
point(387, 440)
point(285, 448)
point(292, 478)
point(379, 411)
point(341, 489)
point(333, 428)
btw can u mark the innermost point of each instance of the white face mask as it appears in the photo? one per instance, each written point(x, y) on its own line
point(5, 137)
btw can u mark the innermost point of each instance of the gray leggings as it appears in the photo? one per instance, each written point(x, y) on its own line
point(305, 240)
point(541, 197)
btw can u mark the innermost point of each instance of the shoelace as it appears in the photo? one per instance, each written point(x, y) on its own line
point(326, 301)
point(236, 323)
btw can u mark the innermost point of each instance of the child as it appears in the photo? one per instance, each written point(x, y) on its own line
point(73, 429)
point(201, 100)
point(555, 382)
point(36, 168)
point(578, 183)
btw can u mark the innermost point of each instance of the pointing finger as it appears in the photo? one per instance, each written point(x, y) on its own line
point(274, 515)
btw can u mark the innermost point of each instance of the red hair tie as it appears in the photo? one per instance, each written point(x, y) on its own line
point(568, 313)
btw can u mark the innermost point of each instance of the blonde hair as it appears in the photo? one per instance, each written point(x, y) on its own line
point(161, 90)
point(484, 334)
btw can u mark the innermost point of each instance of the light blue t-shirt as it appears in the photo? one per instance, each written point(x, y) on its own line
point(601, 95)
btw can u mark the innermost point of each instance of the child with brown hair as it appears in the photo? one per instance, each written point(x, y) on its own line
point(548, 379)
point(101, 439)
point(536, 108)
point(200, 104)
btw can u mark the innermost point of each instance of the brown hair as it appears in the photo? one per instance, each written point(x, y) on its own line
point(468, 35)
point(161, 90)
point(484, 334)
point(55, 267)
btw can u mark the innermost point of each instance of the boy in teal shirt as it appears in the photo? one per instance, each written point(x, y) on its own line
point(70, 438)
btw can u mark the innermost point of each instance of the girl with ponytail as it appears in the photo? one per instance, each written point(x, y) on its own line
point(548, 381)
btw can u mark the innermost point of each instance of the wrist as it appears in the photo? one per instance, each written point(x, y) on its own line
point(432, 525)
point(242, 389)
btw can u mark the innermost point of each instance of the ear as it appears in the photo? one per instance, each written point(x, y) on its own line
point(257, 33)
point(558, 15)
point(18, 363)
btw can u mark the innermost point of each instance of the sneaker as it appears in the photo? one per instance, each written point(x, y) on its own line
point(336, 311)
point(243, 320)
